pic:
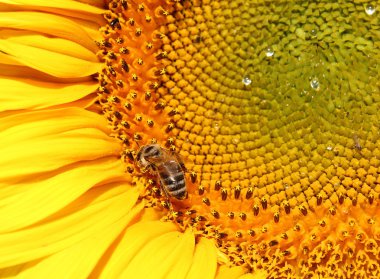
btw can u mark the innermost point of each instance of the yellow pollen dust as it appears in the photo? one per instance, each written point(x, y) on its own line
point(273, 108)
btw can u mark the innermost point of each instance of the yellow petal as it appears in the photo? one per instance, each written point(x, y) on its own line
point(184, 258)
point(13, 271)
point(149, 214)
point(39, 142)
point(79, 260)
point(167, 256)
point(70, 119)
point(35, 201)
point(91, 28)
point(225, 272)
point(29, 73)
point(135, 238)
point(18, 93)
point(49, 62)
point(58, 4)
point(50, 24)
point(92, 214)
point(62, 7)
point(261, 274)
point(96, 3)
point(58, 45)
point(8, 60)
point(204, 261)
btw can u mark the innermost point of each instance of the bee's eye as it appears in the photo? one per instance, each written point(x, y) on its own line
point(156, 153)
point(152, 151)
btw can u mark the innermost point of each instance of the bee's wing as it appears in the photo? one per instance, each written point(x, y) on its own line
point(181, 161)
point(175, 155)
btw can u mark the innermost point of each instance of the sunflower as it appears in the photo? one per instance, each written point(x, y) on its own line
point(270, 108)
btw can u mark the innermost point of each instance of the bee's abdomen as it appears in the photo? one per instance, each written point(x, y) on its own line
point(173, 179)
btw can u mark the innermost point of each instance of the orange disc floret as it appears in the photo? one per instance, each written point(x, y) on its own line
point(131, 51)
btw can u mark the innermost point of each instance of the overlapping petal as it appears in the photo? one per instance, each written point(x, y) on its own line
point(93, 213)
point(134, 239)
point(59, 45)
point(49, 24)
point(79, 260)
point(170, 254)
point(51, 140)
point(23, 93)
point(64, 196)
point(49, 62)
point(204, 260)
point(52, 161)
point(57, 5)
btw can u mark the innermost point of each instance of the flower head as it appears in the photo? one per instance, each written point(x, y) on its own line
point(268, 111)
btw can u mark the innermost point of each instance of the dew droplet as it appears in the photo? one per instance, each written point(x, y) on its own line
point(329, 148)
point(313, 33)
point(314, 83)
point(216, 126)
point(370, 9)
point(269, 52)
point(247, 81)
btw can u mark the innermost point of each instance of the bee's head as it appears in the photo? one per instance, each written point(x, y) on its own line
point(151, 153)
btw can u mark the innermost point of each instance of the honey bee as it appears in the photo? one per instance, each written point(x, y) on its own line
point(167, 166)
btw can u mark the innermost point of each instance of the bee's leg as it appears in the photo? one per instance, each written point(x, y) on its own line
point(167, 196)
point(183, 167)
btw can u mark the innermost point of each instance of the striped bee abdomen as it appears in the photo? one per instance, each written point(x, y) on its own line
point(172, 179)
